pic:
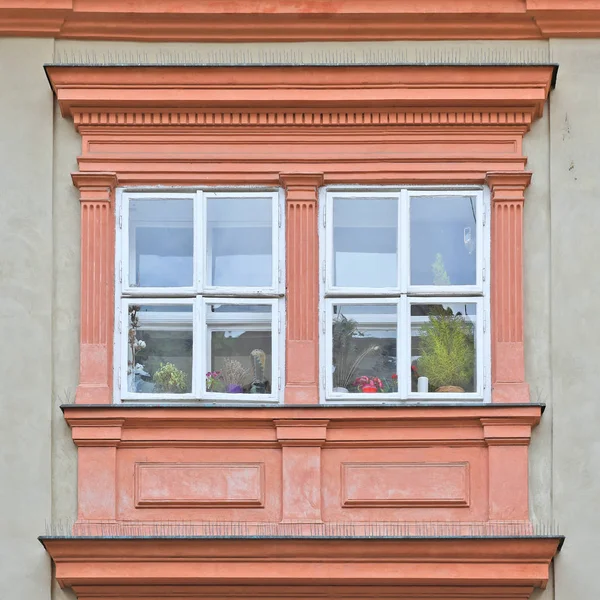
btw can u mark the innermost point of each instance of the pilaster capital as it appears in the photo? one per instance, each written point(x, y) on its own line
point(301, 184)
point(508, 185)
point(95, 186)
point(301, 432)
point(509, 432)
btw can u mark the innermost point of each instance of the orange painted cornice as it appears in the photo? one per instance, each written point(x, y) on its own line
point(130, 426)
point(100, 91)
point(281, 20)
point(275, 567)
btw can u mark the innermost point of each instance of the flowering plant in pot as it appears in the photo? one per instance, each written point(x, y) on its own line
point(368, 385)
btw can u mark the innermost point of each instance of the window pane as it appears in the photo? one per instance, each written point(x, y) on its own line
point(161, 240)
point(364, 348)
point(159, 354)
point(240, 349)
point(442, 240)
point(443, 347)
point(240, 246)
point(365, 242)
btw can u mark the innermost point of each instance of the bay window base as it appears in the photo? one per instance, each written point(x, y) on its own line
point(500, 568)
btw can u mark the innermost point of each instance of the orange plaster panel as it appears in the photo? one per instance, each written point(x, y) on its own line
point(386, 484)
point(405, 484)
point(202, 484)
point(188, 485)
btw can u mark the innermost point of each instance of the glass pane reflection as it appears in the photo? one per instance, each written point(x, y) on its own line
point(365, 242)
point(240, 246)
point(364, 349)
point(443, 240)
point(161, 240)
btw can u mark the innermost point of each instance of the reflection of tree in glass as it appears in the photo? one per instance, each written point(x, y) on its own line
point(347, 355)
point(440, 275)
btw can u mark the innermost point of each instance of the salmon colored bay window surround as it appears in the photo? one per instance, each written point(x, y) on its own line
point(300, 129)
point(313, 174)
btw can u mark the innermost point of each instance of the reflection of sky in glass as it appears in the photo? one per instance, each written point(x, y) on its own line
point(240, 242)
point(365, 242)
point(162, 242)
point(445, 226)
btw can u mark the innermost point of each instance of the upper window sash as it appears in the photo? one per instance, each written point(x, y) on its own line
point(215, 229)
point(402, 239)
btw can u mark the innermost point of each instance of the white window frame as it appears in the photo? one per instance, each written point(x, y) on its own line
point(198, 295)
point(405, 294)
point(276, 328)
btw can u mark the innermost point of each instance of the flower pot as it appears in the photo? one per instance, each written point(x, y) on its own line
point(234, 388)
point(451, 389)
point(369, 389)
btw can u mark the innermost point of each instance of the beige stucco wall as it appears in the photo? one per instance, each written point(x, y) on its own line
point(39, 285)
point(575, 322)
point(26, 243)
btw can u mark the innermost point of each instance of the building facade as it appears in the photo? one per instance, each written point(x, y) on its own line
point(299, 300)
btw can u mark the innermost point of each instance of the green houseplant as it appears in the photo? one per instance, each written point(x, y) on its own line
point(169, 379)
point(447, 352)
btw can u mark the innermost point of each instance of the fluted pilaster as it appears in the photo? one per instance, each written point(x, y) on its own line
point(97, 286)
point(302, 287)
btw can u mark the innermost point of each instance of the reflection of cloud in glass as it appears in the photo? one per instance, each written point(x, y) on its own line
point(164, 271)
point(365, 242)
point(240, 245)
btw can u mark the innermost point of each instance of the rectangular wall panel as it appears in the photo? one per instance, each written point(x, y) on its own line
point(405, 484)
point(182, 485)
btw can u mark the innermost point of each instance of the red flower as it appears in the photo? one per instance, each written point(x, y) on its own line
point(394, 376)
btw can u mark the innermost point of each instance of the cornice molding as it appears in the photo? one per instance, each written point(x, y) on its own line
point(263, 96)
point(267, 428)
point(278, 20)
point(111, 566)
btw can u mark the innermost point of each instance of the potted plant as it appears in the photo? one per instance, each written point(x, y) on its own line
point(347, 357)
point(447, 352)
point(368, 385)
point(169, 379)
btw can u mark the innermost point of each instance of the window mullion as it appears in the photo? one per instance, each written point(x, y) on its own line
point(198, 344)
point(199, 240)
point(403, 241)
point(403, 348)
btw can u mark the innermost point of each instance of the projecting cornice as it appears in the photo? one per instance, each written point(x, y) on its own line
point(157, 96)
point(281, 20)
point(303, 568)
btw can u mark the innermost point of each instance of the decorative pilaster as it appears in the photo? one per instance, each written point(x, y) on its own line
point(508, 447)
point(508, 361)
point(302, 289)
point(301, 442)
point(97, 444)
point(97, 286)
